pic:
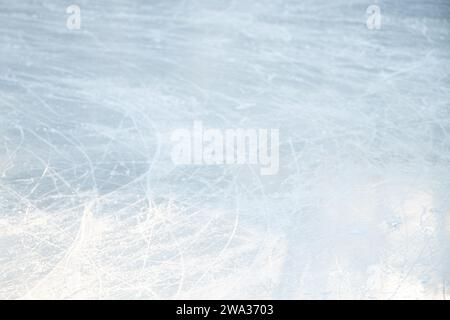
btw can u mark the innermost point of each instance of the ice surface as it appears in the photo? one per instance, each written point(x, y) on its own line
point(91, 205)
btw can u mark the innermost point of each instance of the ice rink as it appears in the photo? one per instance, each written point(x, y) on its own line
point(92, 207)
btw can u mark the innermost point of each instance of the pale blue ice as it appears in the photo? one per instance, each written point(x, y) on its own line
point(91, 205)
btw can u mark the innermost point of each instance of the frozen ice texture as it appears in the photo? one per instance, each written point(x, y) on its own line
point(91, 205)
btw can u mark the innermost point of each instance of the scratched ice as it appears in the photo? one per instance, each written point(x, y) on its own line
point(91, 205)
